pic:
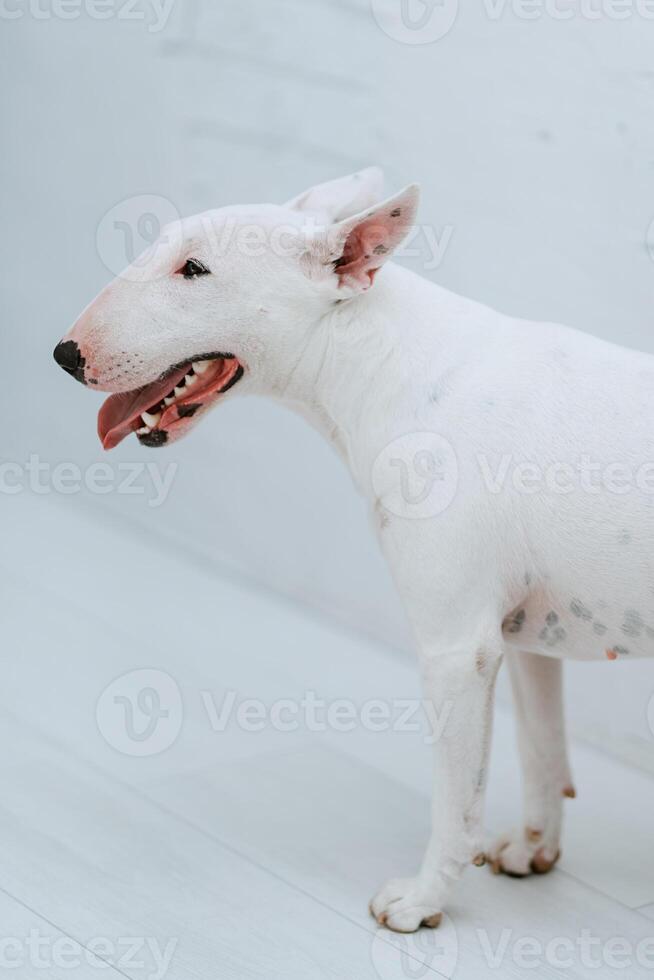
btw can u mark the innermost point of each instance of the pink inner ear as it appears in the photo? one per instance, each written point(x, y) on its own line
point(368, 246)
point(364, 252)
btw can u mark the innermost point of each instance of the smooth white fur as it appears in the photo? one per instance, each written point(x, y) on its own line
point(367, 367)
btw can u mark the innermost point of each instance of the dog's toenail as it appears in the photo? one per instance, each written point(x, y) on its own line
point(432, 921)
point(540, 865)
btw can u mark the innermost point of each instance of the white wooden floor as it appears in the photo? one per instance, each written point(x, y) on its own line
point(252, 854)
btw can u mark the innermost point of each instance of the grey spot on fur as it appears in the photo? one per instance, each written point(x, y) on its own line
point(551, 619)
point(515, 623)
point(380, 250)
point(621, 651)
point(633, 623)
point(578, 609)
point(527, 578)
point(552, 634)
point(599, 629)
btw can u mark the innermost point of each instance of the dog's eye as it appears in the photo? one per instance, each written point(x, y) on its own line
point(193, 268)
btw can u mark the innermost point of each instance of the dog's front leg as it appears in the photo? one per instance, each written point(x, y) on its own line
point(459, 682)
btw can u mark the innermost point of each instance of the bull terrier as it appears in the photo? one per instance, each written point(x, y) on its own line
point(535, 541)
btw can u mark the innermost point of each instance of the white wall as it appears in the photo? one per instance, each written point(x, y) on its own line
point(534, 145)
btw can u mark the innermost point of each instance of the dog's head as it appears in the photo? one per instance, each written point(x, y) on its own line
point(225, 299)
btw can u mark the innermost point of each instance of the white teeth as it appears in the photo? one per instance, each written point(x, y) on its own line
point(151, 420)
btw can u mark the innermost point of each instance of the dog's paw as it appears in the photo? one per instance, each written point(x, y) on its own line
point(523, 852)
point(403, 906)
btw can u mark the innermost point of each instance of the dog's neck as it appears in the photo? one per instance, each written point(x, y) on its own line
point(363, 354)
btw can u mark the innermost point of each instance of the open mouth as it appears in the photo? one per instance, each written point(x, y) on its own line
point(164, 408)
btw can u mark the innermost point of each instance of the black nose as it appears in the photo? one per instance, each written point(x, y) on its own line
point(67, 355)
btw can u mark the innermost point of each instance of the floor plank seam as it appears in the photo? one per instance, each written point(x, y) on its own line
point(63, 932)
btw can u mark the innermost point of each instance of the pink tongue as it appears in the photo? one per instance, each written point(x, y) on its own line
point(117, 415)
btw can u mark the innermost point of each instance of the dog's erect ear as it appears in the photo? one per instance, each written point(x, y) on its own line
point(355, 249)
point(339, 199)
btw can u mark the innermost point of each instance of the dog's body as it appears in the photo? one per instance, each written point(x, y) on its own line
point(509, 468)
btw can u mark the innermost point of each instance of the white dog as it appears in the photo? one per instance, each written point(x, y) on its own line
point(536, 443)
